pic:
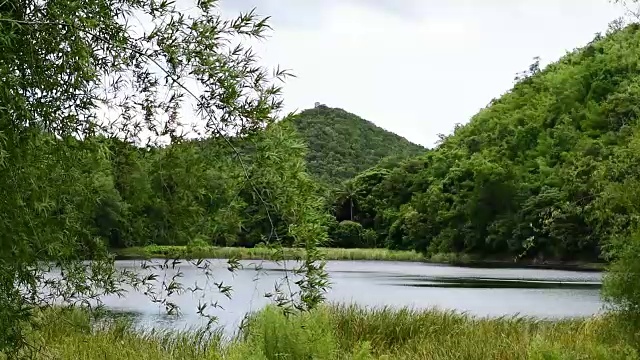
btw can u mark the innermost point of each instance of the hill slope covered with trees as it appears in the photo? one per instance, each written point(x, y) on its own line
point(341, 144)
point(548, 170)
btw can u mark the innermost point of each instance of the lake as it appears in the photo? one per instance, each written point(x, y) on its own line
point(477, 291)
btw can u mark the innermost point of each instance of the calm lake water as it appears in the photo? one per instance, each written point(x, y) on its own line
point(477, 291)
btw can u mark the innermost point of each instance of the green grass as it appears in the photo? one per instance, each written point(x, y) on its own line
point(259, 253)
point(265, 253)
point(342, 332)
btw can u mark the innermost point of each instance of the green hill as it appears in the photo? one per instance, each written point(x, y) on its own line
point(550, 170)
point(342, 144)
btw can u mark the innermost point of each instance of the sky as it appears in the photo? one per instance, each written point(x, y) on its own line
point(416, 67)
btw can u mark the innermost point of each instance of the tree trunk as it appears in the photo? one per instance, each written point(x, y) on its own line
point(351, 208)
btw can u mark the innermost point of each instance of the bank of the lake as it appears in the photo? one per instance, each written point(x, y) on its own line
point(267, 253)
point(341, 332)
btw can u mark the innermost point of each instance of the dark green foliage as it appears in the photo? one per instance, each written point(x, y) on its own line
point(348, 234)
point(351, 235)
point(547, 171)
point(342, 144)
point(196, 190)
point(621, 284)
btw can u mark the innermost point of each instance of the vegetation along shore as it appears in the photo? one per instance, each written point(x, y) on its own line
point(376, 254)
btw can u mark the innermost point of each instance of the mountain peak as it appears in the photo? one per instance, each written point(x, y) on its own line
point(342, 144)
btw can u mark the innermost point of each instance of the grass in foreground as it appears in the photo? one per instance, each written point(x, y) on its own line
point(339, 332)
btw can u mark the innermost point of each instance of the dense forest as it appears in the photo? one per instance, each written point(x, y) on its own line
point(198, 191)
point(341, 144)
point(548, 170)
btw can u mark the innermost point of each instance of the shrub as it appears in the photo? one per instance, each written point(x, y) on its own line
point(348, 234)
point(369, 238)
point(621, 288)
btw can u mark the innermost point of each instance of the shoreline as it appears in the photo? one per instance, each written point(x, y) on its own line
point(341, 254)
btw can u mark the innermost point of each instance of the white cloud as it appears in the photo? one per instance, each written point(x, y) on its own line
point(419, 67)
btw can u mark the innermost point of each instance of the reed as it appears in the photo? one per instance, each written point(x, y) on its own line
point(340, 332)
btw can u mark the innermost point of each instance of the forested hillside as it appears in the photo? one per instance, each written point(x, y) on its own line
point(549, 170)
point(341, 144)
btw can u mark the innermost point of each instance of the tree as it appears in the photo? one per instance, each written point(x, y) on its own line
point(346, 196)
point(348, 234)
point(71, 71)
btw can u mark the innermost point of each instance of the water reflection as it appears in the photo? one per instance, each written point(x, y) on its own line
point(489, 283)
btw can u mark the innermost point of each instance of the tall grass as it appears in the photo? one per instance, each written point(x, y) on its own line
point(342, 332)
point(74, 334)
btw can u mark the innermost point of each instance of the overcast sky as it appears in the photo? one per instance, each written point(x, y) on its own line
point(416, 67)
